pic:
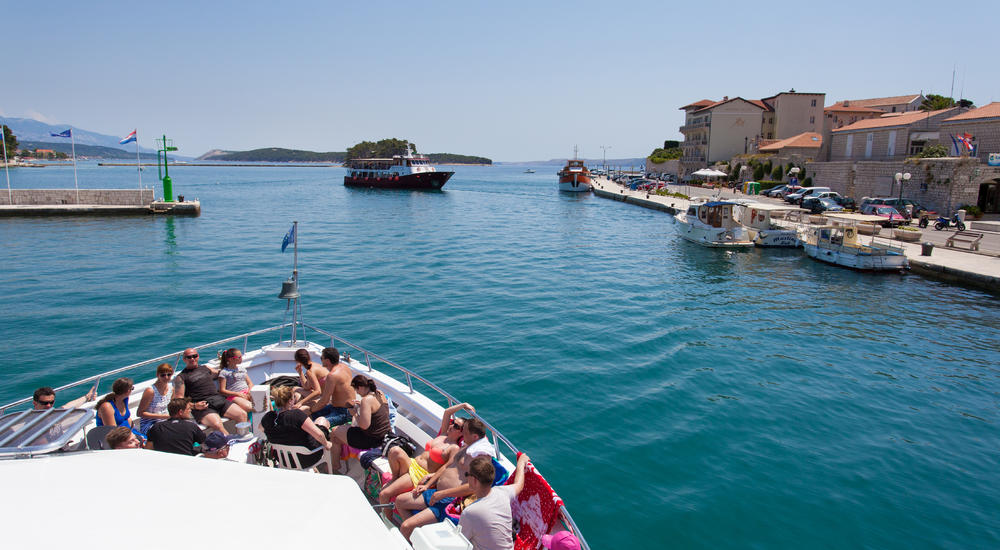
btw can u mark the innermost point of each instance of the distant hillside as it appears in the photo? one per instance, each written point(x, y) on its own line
point(589, 162)
point(276, 154)
point(27, 129)
point(89, 151)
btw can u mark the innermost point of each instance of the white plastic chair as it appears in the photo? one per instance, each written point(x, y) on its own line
point(288, 457)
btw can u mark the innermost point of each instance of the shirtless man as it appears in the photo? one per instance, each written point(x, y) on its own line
point(448, 482)
point(198, 383)
point(338, 396)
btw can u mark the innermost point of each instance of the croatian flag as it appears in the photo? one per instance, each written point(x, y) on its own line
point(67, 133)
point(128, 139)
point(966, 140)
point(289, 238)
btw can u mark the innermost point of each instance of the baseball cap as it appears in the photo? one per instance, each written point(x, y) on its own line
point(216, 440)
point(563, 540)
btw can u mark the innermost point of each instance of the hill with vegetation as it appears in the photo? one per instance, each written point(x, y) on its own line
point(86, 151)
point(385, 148)
point(671, 150)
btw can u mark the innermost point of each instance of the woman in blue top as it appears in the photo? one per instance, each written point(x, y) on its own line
point(112, 409)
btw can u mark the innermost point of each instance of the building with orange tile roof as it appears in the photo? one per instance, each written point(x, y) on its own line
point(894, 104)
point(805, 144)
point(717, 131)
point(888, 137)
point(982, 124)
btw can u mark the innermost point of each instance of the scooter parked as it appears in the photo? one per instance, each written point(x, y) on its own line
point(943, 223)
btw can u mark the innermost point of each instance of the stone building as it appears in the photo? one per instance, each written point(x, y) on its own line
point(894, 104)
point(798, 149)
point(889, 137)
point(983, 125)
point(717, 131)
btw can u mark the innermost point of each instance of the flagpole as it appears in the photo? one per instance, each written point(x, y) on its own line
point(138, 166)
point(72, 140)
point(3, 137)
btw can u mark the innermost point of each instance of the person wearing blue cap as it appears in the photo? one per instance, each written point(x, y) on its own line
point(217, 445)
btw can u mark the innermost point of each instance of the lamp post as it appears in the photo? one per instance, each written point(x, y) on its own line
point(604, 158)
point(900, 178)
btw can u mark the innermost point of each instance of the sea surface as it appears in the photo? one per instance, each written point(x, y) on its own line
point(675, 396)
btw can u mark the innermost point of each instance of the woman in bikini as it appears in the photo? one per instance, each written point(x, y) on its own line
point(311, 379)
point(408, 472)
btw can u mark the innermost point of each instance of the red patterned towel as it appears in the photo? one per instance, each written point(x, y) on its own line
point(536, 508)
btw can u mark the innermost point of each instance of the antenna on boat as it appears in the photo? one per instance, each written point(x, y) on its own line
point(290, 287)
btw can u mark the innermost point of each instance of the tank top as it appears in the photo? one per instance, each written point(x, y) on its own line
point(159, 403)
point(379, 425)
point(120, 419)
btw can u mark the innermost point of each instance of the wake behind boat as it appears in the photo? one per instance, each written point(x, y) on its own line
point(399, 172)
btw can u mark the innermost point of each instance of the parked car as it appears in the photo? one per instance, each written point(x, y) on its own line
point(775, 191)
point(847, 202)
point(818, 205)
point(796, 198)
point(892, 216)
point(788, 190)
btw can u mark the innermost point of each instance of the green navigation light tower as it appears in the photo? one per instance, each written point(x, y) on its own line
point(164, 146)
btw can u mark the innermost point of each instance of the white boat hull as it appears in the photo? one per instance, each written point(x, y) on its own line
point(855, 259)
point(713, 237)
point(784, 238)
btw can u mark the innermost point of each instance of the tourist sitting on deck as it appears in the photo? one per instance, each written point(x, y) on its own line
point(488, 521)
point(45, 397)
point(338, 395)
point(179, 434)
point(217, 445)
point(122, 437)
point(290, 425)
point(311, 379)
point(371, 420)
point(153, 404)
point(234, 382)
point(430, 498)
point(198, 383)
point(112, 409)
point(408, 472)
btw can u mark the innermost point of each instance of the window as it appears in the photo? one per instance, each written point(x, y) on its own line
point(813, 103)
point(892, 143)
point(869, 140)
point(917, 147)
point(850, 145)
point(812, 120)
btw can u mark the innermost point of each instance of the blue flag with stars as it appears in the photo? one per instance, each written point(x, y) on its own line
point(289, 238)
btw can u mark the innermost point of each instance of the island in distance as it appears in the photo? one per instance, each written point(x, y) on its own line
point(385, 148)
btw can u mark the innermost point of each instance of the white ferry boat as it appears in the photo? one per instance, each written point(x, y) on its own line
point(712, 224)
point(759, 218)
point(399, 172)
point(838, 244)
point(64, 491)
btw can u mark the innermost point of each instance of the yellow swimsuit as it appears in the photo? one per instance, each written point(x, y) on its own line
point(417, 472)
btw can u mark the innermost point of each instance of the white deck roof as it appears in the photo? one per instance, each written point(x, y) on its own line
point(865, 218)
point(149, 499)
point(773, 207)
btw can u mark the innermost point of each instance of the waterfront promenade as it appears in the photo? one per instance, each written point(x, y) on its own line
point(958, 265)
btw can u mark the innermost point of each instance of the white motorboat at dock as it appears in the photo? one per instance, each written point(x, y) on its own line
point(712, 224)
point(837, 243)
point(758, 218)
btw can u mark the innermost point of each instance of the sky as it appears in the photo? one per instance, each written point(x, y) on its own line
point(512, 81)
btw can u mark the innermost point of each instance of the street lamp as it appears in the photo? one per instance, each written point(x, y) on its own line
point(900, 178)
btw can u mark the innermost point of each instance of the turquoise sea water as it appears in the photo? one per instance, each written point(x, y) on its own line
point(673, 395)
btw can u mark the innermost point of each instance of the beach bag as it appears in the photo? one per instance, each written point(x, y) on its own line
point(280, 381)
point(402, 441)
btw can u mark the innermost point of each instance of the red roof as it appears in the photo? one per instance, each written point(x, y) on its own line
point(699, 104)
point(805, 139)
point(986, 111)
point(892, 119)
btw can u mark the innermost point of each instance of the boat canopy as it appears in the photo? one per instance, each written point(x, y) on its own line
point(721, 203)
point(31, 432)
point(767, 207)
point(247, 506)
point(859, 218)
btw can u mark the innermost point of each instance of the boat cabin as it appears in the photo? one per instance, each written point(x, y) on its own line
point(714, 214)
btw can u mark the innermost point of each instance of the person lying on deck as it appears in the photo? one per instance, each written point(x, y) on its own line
point(429, 499)
point(408, 472)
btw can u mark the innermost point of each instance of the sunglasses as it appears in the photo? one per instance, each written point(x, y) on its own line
point(46, 403)
point(167, 374)
point(195, 356)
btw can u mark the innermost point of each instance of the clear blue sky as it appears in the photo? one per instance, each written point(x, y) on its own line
point(508, 80)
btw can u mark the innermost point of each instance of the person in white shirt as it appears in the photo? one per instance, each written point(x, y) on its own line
point(488, 521)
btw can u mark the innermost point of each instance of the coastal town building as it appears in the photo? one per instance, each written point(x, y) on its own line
point(797, 149)
point(981, 129)
point(894, 104)
point(717, 131)
point(888, 137)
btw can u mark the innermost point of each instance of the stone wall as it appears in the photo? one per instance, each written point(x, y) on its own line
point(103, 197)
point(941, 184)
point(670, 167)
point(985, 131)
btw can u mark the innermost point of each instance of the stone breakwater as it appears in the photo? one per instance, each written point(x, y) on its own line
point(90, 202)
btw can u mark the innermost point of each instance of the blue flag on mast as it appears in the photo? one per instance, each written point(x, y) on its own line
point(289, 238)
point(67, 133)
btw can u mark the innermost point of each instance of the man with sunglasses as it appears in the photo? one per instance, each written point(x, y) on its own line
point(197, 382)
point(45, 398)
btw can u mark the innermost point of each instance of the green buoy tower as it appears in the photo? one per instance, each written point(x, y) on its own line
point(164, 146)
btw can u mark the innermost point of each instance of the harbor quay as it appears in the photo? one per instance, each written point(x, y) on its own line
point(979, 269)
point(90, 202)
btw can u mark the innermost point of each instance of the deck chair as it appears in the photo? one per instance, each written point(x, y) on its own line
point(288, 457)
point(95, 438)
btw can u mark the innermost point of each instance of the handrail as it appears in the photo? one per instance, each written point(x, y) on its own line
point(160, 359)
point(368, 355)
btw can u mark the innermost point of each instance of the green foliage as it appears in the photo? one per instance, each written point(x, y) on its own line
point(808, 182)
point(384, 148)
point(933, 151)
point(659, 155)
point(934, 102)
point(451, 158)
point(767, 167)
point(275, 154)
point(777, 173)
point(671, 144)
point(758, 172)
point(668, 193)
point(972, 210)
point(10, 140)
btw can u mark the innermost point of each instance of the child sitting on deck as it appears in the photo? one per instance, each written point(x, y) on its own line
point(234, 382)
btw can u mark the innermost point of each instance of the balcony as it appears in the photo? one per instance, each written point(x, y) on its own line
point(695, 126)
